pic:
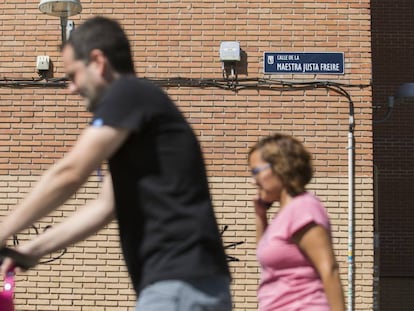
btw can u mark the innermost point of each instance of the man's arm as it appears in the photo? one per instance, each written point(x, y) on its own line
point(88, 220)
point(61, 181)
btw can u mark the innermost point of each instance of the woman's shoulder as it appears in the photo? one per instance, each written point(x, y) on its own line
point(309, 203)
point(308, 198)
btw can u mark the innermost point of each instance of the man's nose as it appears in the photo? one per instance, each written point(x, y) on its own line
point(73, 89)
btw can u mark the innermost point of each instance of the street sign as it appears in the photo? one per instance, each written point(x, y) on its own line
point(303, 63)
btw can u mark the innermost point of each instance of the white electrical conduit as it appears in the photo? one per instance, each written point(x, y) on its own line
point(351, 149)
point(350, 217)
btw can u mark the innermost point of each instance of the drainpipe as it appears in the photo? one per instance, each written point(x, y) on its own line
point(351, 208)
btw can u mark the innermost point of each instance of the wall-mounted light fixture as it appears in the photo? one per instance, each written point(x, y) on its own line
point(404, 94)
point(62, 9)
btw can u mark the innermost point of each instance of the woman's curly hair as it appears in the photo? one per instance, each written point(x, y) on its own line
point(289, 160)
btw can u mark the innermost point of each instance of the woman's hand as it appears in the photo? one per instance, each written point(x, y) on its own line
point(261, 208)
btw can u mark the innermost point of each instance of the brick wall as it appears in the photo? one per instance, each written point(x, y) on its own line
point(182, 38)
point(392, 50)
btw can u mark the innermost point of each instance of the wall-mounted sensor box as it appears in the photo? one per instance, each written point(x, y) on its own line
point(42, 62)
point(230, 51)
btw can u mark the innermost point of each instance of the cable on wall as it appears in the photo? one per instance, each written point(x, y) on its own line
point(227, 83)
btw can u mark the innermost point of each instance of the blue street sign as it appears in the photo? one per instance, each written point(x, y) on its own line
point(303, 63)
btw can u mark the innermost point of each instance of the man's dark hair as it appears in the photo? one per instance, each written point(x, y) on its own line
point(106, 35)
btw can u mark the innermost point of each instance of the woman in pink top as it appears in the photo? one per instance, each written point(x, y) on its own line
point(298, 267)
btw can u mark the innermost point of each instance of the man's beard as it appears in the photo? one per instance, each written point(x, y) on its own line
point(93, 100)
point(91, 104)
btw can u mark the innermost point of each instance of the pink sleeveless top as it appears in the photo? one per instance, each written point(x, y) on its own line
point(289, 281)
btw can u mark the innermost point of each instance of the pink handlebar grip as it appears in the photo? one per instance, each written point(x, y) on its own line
point(6, 296)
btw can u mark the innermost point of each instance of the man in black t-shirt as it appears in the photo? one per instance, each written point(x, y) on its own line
point(157, 187)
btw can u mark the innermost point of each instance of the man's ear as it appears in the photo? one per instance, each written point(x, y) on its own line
point(98, 59)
